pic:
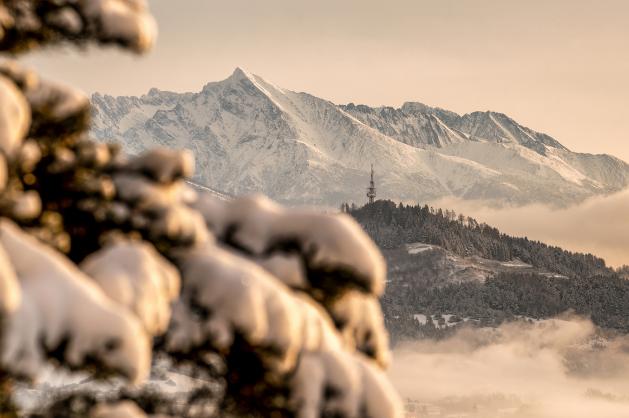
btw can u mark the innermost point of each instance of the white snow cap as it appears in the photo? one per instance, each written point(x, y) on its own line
point(160, 209)
point(59, 102)
point(26, 206)
point(15, 116)
point(66, 19)
point(179, 223)
point(328, 243)
point(137, 189)
point(136, 276)
point(361, 323)
point(127, 21)
point(24, 78)
point(124, 409)
point(164, 165)
point(55, 101)
point(289, 268)
point(10, 294)
point(4, 173)
point(359, 389)
point(378, 397)
point(357, 315)
point(61, 308)
point(318, 371)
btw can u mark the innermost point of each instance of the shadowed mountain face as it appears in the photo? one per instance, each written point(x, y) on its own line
point(251, 136)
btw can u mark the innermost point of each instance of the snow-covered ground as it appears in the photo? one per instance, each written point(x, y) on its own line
point(443, 267)
point(442, 321)
point(418, 247)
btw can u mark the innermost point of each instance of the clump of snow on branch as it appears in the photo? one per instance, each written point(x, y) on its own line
point(10, 294)
point(289, 268)
point(330, 246)
point(335, 383)
point(123, 21)
point(27, 24)
point(137, 277)
point(15, 116)
point(164, 165)
point(359, 318)
point(63, 311)
point(56, 110)
point(151, 187)
point(56, 102)
point(123, 409)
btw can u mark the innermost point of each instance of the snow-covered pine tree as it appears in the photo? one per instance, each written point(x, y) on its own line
point(113, 265)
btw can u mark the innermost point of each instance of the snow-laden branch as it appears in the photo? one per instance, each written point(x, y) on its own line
point(27, 24)
point(10, 293)
point(56, 111)
point(64, 315)
point(359, 318)
point(160, 210)
point(15, 116)
point(226, 298)
point(337, 254)
point(336, 383)
point(124, 409)
point(325, 255)
point(136, 276)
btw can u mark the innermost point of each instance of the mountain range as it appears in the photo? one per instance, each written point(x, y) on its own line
point(249, 135)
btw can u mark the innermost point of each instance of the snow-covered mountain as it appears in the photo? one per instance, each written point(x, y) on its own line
point(250, 135)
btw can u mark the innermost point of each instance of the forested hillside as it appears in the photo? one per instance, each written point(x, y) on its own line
point(423, 301)
point(505, 297)
point(392, 225)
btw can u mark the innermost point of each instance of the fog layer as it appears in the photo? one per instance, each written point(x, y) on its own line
point(599, 225)
point(552, 369)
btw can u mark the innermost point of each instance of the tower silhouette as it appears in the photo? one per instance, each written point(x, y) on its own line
point(371, 190)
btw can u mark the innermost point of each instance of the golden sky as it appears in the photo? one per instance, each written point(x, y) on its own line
point(557, 66)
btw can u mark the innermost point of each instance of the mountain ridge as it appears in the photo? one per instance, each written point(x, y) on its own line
point(250, 135)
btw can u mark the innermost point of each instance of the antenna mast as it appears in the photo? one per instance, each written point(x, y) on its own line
point(371, 190)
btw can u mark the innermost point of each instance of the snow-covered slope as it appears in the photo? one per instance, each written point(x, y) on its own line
point(249, 135)
point(425, 266)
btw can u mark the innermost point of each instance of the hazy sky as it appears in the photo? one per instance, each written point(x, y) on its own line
point(557, 66)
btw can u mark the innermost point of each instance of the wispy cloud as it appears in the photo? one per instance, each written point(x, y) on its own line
point(599, 225)
point(547, 370)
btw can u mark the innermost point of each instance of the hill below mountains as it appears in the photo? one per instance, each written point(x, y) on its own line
point(447, 271)
point(249, 135)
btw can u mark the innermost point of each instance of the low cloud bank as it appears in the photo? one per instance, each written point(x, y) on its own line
point(553, 369)
point(599, 225)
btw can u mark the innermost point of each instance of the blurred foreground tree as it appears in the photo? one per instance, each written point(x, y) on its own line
point(115, 267)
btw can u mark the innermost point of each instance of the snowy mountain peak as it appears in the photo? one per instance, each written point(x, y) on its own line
point(249, 135)
point(240, 73)
point(154, 92)
point(243, 81)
